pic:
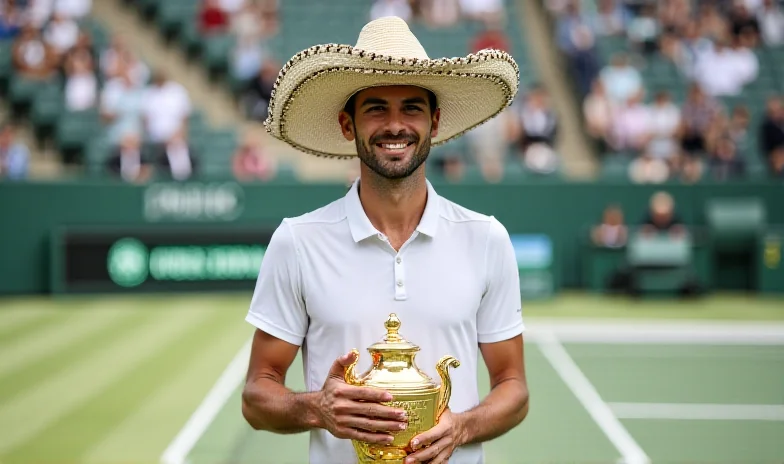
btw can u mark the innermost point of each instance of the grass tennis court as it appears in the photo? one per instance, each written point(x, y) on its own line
point(125, 379)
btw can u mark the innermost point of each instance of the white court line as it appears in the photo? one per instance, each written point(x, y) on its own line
point(230, 379)
point(578, 383)
point(650, 331)
point(699, 411)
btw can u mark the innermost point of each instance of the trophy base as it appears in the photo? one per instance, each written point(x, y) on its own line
point(369, 454)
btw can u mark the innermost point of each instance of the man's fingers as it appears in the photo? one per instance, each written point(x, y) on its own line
point(375, 395)
point(437, 452)
point(367, 437)
point(339, 366)
point(376, 410)
point(372, 425)
point(428, 437)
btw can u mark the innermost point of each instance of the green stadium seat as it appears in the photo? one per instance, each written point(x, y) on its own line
point(659, 250)
point(74, 131)
point(22, 91)
point(6, 63)
point(45, 111)
point(735, 223)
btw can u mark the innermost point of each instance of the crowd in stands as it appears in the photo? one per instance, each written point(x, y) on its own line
point(713, 48)
point(439, 13)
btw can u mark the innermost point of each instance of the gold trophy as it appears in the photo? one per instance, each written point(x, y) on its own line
point(395, 371)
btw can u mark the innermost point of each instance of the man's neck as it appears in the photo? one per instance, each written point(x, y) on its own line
point(394, 207)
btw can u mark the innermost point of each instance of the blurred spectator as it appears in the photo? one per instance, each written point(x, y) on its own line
point(712, 24)
point(674, 14)
point(538, 121)
point(777, 163)
point(256, 97)
point(631, 126)
point(232, 7)
point(247, 58)
point(598, 114)
point(452, 167)
point(127, 160)
point(33, 58)
point(121, 106)
point(118, 58)
point(621, 80)
point(492, 36)
point(441, 13)
point(697, 113)
point(771, 23)
point(166, 108)
point(612, 232)
point(643, 30)
point(212, 18)
point(73, 9)
point(81, 83)
point(11, 20)
point(742, 21)
point(489, 143)
point(738, 129)
point(771, 134)
point(662, 217)
point(176, 158)
point(647, 169)
point(250, 162)
point(246, 24)
point(61, 33)
point(611, 18)
point(665, 119)
point(38, 12)
point(14, 155)
point(382, 8)
point(724, 162)
point(576, 41)
point(487, 11)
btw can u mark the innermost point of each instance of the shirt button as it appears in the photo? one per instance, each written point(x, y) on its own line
point(399, 260)
point(399, 283)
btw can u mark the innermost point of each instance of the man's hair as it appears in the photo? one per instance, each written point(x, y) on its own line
point(350, 106)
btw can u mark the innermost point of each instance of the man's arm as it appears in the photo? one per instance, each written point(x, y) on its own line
point(267, 404)
point(507, 403)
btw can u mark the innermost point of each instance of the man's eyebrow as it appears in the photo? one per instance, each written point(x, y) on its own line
point(374, 101)
point(411, 100)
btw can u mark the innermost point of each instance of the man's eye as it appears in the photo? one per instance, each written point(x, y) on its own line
point(413, 108)
point(376, 108)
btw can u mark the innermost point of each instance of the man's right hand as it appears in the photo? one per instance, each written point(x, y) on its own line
point(353, 412)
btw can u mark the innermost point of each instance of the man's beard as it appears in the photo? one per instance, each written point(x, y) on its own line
point(392, 170)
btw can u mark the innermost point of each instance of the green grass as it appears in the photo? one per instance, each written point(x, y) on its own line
point(112, 379)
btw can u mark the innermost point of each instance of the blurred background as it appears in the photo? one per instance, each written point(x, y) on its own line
point(640, 173)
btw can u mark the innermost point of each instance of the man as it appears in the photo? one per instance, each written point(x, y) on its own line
point(330, 278)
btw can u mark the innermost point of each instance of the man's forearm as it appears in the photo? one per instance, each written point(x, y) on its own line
point(269, 405)
point(505, 407)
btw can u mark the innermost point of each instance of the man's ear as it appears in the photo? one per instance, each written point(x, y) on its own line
point(346, 126)
point(436, 120)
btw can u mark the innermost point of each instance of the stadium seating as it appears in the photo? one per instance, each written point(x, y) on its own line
point(339, 22)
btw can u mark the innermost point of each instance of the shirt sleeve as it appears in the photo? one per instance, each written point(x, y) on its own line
point(277, 306)
point(500, 311)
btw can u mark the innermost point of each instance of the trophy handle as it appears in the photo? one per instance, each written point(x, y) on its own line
point(446, 383)
point(350, 376)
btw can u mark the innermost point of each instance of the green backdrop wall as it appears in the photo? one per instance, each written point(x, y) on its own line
point(32, 212)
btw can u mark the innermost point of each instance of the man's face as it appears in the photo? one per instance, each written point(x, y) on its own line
point(392, 128)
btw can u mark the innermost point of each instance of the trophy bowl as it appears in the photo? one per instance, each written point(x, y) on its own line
point(394, 369)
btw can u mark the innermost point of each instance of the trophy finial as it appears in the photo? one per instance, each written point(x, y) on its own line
point(393, 325)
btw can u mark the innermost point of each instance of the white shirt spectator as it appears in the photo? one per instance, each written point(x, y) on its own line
point(232, 6)
point(39, 12)
point(383, 8)
point(81, 91)
point(75, 9)
point(61, 33)
point(165, 110)
point(480, 7)
point(771, 21)
point(724, 71)
point(621, 82)
point(453, 284)
point(632, 124)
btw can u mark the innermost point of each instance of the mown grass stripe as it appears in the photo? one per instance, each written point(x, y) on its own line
point(73, 434)
point(35, 410)
point(54, 338)
point(147, 430)
point(39, 320)
point(26, 376)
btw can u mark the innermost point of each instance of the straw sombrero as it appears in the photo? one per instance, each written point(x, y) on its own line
point(315, 84)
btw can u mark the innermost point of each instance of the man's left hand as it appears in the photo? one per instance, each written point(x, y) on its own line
point(437, 444)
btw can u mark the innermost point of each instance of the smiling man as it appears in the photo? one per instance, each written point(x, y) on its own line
point(331, 277)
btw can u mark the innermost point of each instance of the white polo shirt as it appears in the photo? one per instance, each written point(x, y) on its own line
point(329, 280)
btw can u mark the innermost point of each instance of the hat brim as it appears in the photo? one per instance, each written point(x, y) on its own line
point(313, 87)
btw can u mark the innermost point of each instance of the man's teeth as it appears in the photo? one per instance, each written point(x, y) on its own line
point(394, 146)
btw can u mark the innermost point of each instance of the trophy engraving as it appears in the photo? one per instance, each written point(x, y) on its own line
point(394, 369)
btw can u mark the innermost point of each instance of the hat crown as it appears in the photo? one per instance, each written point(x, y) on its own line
point(390, 36)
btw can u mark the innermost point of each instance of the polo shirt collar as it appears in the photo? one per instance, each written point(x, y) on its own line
point(361, 227)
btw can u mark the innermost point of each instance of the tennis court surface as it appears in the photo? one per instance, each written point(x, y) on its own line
point(602, 391)
point(152, 379)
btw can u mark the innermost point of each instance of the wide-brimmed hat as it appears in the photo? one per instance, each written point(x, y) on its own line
point(314, 85)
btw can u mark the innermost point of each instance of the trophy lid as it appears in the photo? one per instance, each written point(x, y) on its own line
point(393, 341)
